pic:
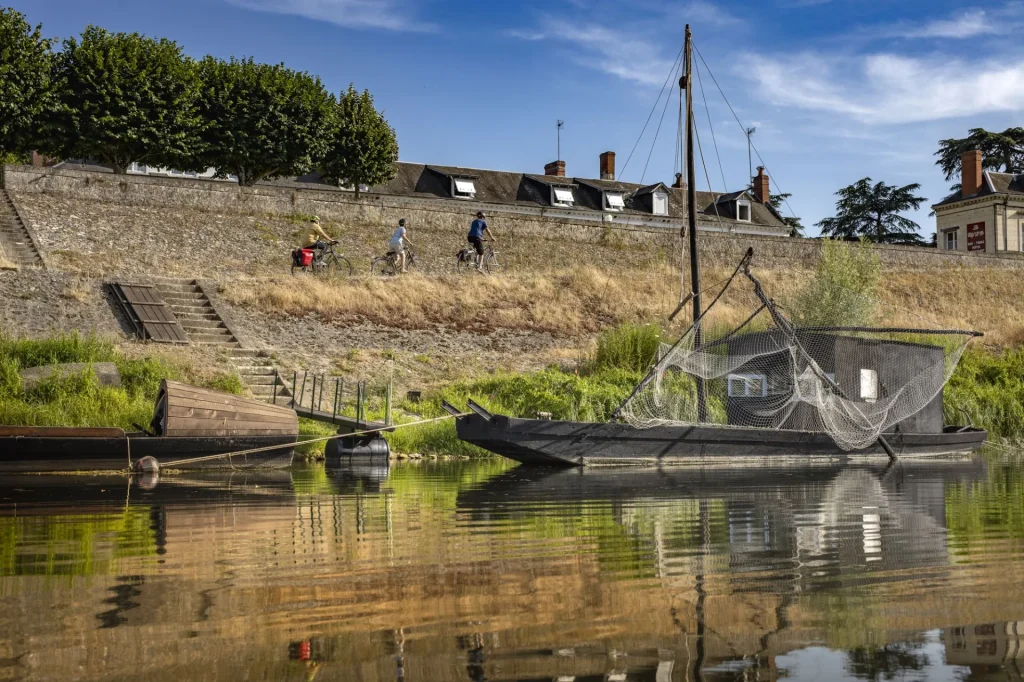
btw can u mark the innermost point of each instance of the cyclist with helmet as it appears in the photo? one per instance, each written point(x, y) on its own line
point(477, 230)
point(397, 245)
point(316, 239)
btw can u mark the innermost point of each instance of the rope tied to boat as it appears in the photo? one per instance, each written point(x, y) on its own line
point(322, 439)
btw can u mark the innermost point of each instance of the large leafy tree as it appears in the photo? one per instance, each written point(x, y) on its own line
point(363, 148)
point(796, 229)
point(265, 120)
point(999, 151)
point(873, 211)
point(124, 97)
point(25, 64)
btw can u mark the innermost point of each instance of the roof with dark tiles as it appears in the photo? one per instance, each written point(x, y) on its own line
point(993, 183)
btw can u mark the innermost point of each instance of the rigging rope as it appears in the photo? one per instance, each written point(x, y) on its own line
point(707, 110)
point(654, 142)
point(740, 123)
point(653, 109)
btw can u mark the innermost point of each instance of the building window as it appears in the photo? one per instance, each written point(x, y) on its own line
point(660, 203)
point(464, 189)
point(563, 197)
point(614, 201)
point(747, 386)
point(743, 211)
point(868, 385)
point(950, 236)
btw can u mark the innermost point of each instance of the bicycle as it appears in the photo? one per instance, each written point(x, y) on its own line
point(387, 265)
point(467, 259)
point(326, 262)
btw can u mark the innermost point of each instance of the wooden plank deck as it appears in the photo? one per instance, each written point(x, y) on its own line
point(152, 319)
point(345, 422)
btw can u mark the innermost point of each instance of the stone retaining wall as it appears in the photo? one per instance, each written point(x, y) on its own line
point(97, 222)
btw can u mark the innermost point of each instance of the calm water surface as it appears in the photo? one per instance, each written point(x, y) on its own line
point(474, 571)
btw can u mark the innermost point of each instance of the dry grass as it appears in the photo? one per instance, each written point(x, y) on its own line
point(586, 300)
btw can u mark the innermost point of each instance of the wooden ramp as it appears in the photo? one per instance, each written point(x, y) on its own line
point(183, 410)
point(151, 317)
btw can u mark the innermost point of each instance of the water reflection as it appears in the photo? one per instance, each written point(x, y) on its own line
point(473, 571)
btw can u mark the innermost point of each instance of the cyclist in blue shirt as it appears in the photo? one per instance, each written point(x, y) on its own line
point(476, 236)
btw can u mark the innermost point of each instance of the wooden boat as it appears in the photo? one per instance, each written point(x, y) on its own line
point(782, 391)
point(188, 422)
point(540, 442)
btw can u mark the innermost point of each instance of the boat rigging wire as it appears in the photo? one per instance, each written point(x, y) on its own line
point(654, 142)
point(738, 121)
point(653, 109)
point(322, 439)
point(707, 110)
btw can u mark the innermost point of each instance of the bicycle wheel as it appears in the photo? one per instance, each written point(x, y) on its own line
point(410, 261)
point(338, 265)
point(465, 262)
point(382, 266)
point(493, 262)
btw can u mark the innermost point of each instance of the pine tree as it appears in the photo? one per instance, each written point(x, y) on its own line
point(872, 212)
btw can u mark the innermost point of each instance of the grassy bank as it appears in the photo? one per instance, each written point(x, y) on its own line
point(584, 300)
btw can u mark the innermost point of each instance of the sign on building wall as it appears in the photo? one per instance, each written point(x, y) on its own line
point(975, 236)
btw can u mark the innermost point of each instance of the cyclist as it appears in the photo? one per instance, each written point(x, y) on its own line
point(477, 230)
point(316, 239)
point(397, 245)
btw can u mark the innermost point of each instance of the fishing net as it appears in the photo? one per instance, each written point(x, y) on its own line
point(852, 381)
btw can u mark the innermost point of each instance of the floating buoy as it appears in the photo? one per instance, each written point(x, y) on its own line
point(146, 465)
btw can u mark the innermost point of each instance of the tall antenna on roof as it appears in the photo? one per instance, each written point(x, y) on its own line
point(560, 124)
point(750, 163)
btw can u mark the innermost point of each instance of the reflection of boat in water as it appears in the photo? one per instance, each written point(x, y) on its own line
point(188, 423)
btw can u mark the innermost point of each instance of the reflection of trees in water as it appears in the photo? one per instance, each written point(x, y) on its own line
point(888, 662)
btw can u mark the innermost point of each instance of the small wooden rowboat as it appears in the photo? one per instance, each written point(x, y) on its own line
point(188, 422)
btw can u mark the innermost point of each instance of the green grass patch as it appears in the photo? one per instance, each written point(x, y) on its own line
point(987, 388)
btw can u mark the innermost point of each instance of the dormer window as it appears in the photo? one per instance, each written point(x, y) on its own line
point(743, 211)
point(614, 201)
point(659, 203)
point(463, 189)
point(563, 197)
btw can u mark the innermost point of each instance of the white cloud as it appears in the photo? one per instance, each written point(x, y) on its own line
point(392, 15)
point(632, 57)
point(967, 25)
point(888, 88)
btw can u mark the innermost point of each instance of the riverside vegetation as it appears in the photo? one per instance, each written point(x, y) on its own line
point(987, 388)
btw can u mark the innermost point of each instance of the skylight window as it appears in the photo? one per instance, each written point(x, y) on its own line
point(613, 201)
point(563, 197)
point(464, 189)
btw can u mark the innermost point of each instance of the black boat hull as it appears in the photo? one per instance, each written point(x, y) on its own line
point(35, 453)
point(562, 443)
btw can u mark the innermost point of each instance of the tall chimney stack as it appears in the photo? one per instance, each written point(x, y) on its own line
point(556, 168)
point(679, 184)
point(761, 186)
point(608, 166)
point(970, 173)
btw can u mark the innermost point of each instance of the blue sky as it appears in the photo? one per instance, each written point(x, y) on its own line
point(838, 89)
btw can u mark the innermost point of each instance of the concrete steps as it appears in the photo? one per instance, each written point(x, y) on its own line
point(15, 240)
point(204, 326)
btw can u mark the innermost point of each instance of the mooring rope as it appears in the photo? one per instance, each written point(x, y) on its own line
point(323, 439)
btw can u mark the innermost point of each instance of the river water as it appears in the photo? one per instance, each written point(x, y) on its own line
point(478, 571)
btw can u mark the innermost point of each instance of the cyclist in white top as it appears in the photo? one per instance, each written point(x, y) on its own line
point(397, 246)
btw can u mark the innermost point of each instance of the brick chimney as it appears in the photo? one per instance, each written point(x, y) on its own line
point(608, 166)
point(679, 184)
point(555, 168)
point(970, 173)
point(761, 185)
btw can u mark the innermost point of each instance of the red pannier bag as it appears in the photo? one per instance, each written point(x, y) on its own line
point(307, 257)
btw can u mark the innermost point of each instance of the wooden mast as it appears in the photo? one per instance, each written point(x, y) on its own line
point(690, 229)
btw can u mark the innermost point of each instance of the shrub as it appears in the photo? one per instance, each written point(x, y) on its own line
point(843, 289)
point(630, 347)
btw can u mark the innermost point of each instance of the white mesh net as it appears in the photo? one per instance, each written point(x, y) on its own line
point(854, 383)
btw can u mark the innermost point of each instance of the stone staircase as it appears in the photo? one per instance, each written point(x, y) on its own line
point(15, 240)
point(205, 327)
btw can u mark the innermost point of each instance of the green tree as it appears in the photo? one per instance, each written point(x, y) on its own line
point(265, 120)
point(873, 212)
point(25, 92)
point(363, 148)
point(843, 288)
point(999, 151)
point(124, 97)
point(792, 222)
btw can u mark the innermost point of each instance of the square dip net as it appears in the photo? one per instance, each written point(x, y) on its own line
point(856, 369)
